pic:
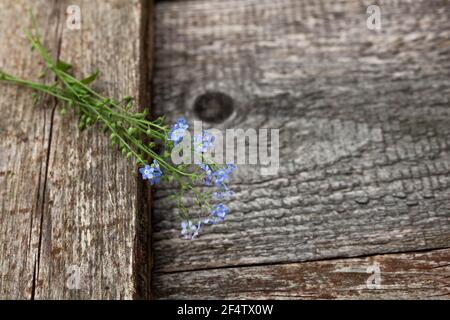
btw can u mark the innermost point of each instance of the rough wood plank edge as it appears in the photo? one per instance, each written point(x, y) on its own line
point(363, 119)
point(143, 264)
point(415, 275)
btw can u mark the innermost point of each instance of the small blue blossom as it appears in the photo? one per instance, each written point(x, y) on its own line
point(189, 230)
point(187, 227)
point(178, 130)
point(231, 167)
point(184, 227)
point(208, 221)
point(151, 172)
point(208, 174)
point(146, 172)
point(220, 211)
point(223, 174)
point(203, 141)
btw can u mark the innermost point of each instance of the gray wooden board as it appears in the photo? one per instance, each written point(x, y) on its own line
point(24, 132)
point(418, 275)
point(364, 123)
point(74, 219)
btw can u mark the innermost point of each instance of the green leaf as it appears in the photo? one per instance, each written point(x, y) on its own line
point(160, 120)
point(129, 105)
point(79, 90)
point(63, 66)
point(35, 98)
point(90, 121)
point(90, 79)
point(131, 131)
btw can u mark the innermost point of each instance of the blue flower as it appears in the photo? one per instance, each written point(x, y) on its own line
point(178, 130)
point(187, 227)
point(231, 167)
point(203, 141)
point(220, 211)
point(189, 230)
point(208, 174)
point(184, 225)
point(146, 172)
point(209, 221)
point(151, 172)
point(223, 174)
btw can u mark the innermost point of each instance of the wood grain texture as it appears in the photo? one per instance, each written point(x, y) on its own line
point(364, 127)
point(90, 216)
point(25, 134)
point(420, 275)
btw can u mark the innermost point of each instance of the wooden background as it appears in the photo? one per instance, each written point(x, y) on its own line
point(364, 179)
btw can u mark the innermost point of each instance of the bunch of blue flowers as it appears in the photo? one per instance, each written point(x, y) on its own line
point(207, 171)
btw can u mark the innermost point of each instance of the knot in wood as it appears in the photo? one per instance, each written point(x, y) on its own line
point(213, 106)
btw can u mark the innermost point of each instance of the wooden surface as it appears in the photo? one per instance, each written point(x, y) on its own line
point(364, 123)
point(71, 206)
point(420, 275)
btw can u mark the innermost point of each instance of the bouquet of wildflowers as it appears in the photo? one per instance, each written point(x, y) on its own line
point(137, 138)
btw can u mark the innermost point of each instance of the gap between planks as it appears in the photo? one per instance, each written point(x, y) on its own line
point(281, 263)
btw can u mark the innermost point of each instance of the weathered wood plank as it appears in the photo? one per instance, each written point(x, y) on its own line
point(24, 133)
point(420, 275)
point(92, 212)
point(76, 217)
point(364, 119)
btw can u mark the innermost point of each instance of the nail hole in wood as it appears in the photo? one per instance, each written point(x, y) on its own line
point(213, 106)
